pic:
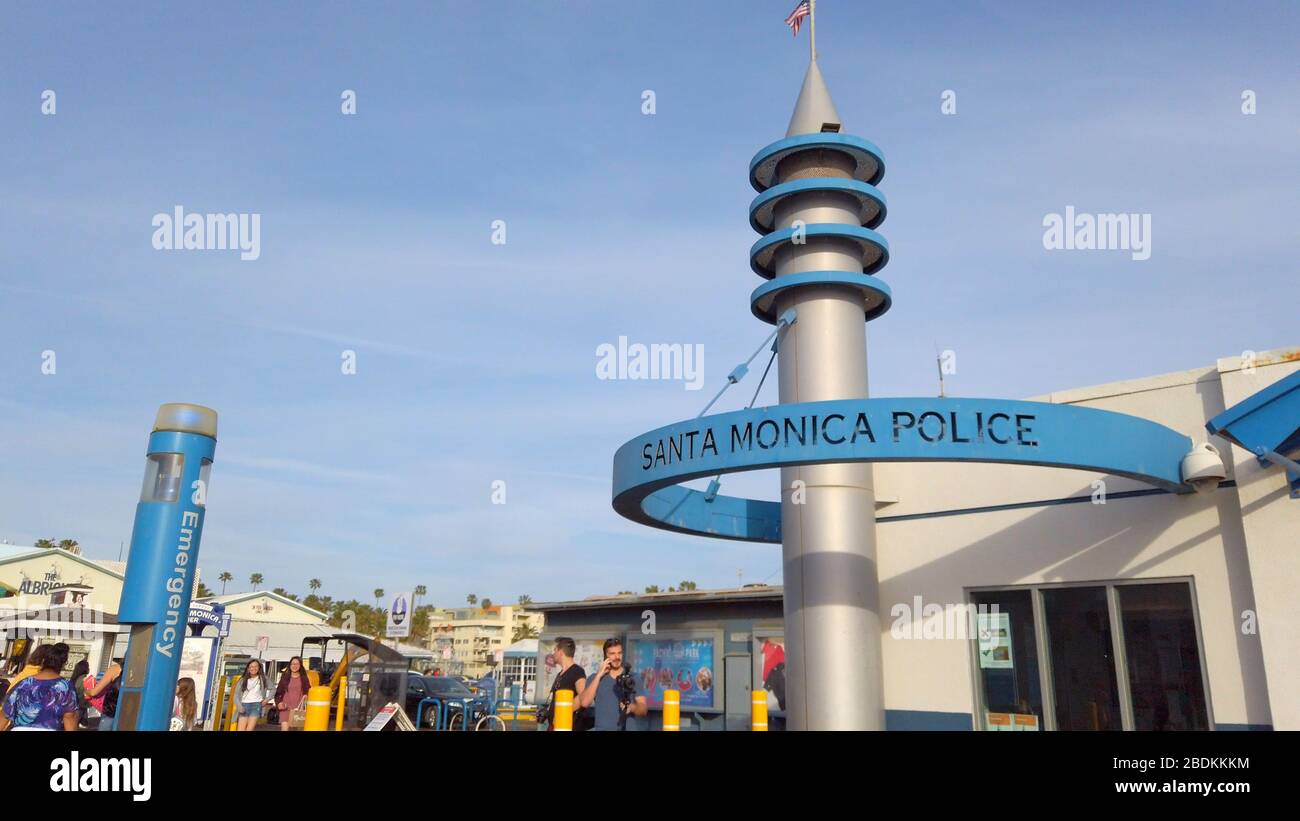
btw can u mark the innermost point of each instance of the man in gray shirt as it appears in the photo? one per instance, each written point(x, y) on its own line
point(601, 693)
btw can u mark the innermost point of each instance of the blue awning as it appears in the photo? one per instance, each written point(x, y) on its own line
point(1267, 424)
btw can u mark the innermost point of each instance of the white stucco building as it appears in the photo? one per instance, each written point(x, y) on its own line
point(1124, 606)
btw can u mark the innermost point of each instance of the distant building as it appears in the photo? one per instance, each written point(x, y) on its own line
point(471, 641)
point(49, 595)
point(712, 646)
point(519, 666)
point(284, 623)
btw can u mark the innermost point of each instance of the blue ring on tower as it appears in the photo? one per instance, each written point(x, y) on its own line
point(870, 161)
point(871, 203)
point(875, 250)
point(876, 296)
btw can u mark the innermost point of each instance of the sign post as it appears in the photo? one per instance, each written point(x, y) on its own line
point(399, 617)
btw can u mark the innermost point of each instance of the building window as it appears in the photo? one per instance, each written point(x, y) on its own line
point(1007, 653)
point(1083, 659)
point(1109, 656)
point(1163, 657)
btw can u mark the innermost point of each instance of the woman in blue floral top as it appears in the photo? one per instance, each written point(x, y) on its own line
point(45, 701)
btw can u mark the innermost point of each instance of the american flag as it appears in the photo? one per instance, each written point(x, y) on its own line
point(795, 20)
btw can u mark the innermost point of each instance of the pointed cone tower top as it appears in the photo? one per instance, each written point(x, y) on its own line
point(814, 113)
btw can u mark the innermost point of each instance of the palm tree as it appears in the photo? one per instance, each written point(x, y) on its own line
point(379, 594)
point(524, 599)
point(314, 585)
point(255, 580)
point(45, 544)
point(686, 586)
point(70, 545)
point(472, 598)
point(487, 603)
point(223, 578)
point(524, 631)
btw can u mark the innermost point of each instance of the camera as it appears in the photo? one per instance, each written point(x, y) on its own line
point(545, 712)
point(625, 686)
point(625, 690)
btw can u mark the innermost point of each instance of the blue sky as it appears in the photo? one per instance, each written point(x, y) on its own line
point(476, 362)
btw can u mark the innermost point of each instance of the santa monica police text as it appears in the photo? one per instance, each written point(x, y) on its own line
point(1015, 429)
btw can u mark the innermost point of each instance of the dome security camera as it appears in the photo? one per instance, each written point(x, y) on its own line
point(1202, 468)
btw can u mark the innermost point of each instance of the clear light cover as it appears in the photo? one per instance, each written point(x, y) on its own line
point(162, 477)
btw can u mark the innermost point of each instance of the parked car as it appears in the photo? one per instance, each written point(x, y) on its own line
point(447, 689)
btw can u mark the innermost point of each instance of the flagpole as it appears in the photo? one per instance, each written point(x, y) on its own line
point(812, 28)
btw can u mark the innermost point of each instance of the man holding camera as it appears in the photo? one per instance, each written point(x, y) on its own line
point(612, 691)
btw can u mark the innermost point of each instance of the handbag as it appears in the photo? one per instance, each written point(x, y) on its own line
point(273, 715)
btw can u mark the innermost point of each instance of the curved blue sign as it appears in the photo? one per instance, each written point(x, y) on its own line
point(648, 468)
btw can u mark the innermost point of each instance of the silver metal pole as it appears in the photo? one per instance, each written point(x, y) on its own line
point(832, 591)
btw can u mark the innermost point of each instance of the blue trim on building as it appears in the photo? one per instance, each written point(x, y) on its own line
point(1251, 728)
point(1064, 500)
point(908, 720)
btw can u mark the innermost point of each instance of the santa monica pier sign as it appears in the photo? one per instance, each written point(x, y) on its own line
point(648, 469)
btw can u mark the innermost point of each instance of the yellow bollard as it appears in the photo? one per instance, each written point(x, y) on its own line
point(234, 703)
point(563, 716)
point(219, 703)
point(318, 709)
point(758, 710)
point(338, 713)
point(672, 711)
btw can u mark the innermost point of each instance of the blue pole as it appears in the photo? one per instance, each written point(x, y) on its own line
point(164, 556)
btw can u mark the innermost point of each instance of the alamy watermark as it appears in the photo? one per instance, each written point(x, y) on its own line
point(73, 773)
point(675, 361)
point(1098, 232)
point(921, 620)
point(179, 231)
point(61, 623)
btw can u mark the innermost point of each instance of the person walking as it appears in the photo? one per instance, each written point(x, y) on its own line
point(102, 694)
point(253, 696)
point(185, 706)
point(291, 690)
point(78, 681)
point(44, 701)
